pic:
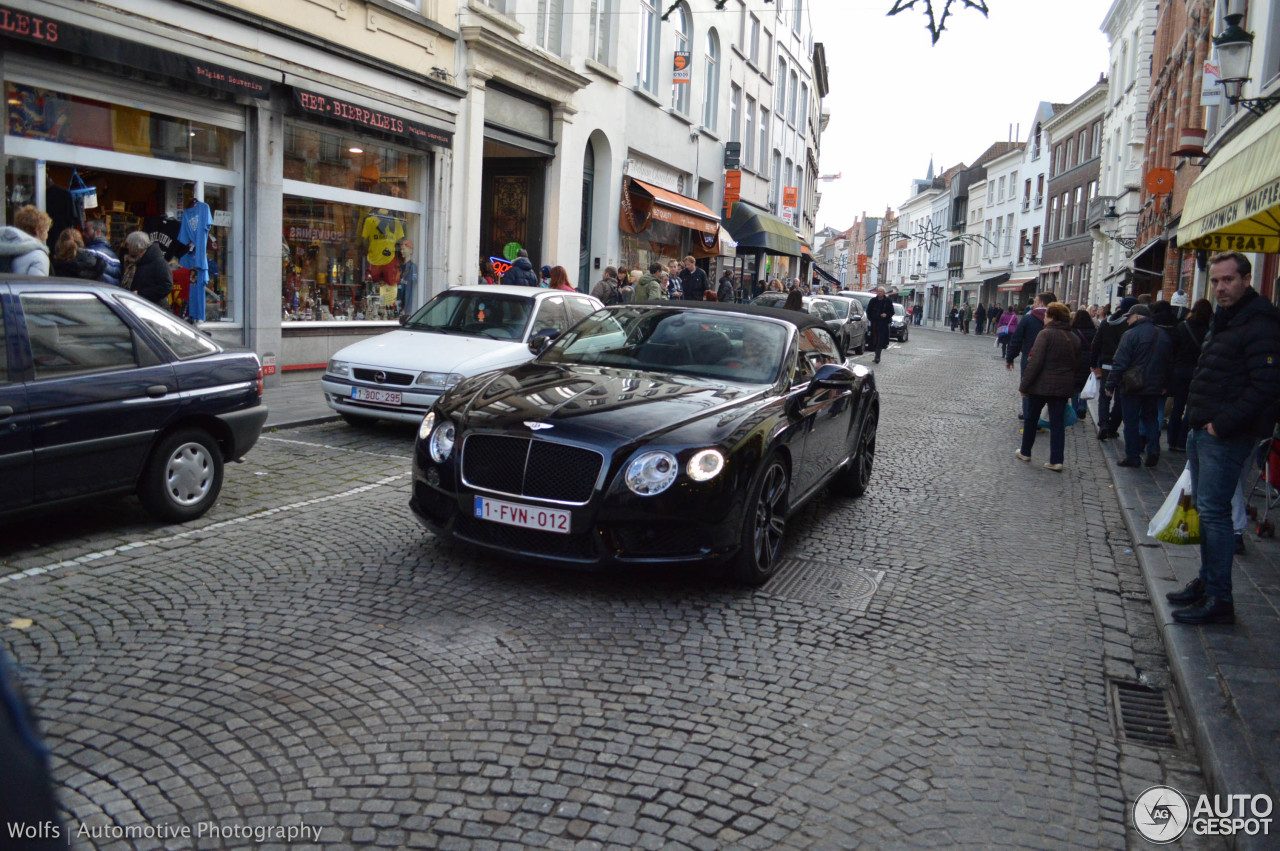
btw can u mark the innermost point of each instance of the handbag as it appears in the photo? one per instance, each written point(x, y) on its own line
point(1133, 380)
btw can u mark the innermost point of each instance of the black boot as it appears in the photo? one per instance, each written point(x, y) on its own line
point(1210, 610)
point(1189, 593)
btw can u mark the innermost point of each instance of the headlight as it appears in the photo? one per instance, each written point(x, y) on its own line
point(705, 465)
point(428, 423)
point(441, 445)
point(437, 380)
point(652, 473)
point(339, 368)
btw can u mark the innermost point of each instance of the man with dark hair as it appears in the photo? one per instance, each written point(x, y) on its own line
point(1232, 402)
point(879, 311)
point(1149, 352)
point(608, 290)
point(521, 273)
point(95, 231)
point(1024, 337)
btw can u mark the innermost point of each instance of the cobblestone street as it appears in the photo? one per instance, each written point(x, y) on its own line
point(936, 667)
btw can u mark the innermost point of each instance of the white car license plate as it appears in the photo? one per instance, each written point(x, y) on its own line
point(382, 397)
point(525, 516)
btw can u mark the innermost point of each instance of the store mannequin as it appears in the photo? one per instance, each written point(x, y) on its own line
point(408, 278)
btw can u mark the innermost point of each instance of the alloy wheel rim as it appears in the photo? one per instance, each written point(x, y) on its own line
point(189, 474)
point(770, 523)
point(867, 453)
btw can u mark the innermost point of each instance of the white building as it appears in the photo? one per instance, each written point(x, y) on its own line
point(1130, 27)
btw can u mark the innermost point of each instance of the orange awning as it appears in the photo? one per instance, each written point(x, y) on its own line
point(671, 207)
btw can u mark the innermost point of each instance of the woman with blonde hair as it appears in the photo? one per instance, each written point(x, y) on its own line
point(72, 260)
point(775, 286)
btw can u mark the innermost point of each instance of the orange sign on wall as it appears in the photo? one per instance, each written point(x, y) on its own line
point(790, 194)
point(732, 186)
point(862, 264)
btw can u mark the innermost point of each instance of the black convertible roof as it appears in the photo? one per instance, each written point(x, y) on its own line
point(795, 317)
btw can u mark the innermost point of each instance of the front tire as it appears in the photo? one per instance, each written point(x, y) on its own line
point(763, 525)
point(183, 476)
point(854, 479)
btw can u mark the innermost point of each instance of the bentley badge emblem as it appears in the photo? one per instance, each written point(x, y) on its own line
point(536, 426)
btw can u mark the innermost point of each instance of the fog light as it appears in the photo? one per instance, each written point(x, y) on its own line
point(433, 477)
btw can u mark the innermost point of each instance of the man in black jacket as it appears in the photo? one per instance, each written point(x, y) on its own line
point(1148, 351)
point(521, 273)
point(879, 312)
point(1231, 404)
point(693, 280)
point(1102, 352)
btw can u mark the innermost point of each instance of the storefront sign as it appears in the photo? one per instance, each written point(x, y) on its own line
point(651, 172)
point(222, 218)
point(59, 35)
point(500, 266)
point(354, 115)
point(1215, 242)
point(675, 217)
point(1210, 90)
point(683, 68)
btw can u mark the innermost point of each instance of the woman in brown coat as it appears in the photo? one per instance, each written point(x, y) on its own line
point(1050, 380)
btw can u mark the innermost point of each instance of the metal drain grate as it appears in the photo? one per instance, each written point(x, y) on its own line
point(1144, 715)
point(804, 581)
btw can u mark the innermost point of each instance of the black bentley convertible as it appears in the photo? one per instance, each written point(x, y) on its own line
point(653, 433)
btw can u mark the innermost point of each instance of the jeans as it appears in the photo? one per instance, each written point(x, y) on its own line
point(1057, 425)
point(1141, 420)
point(1216, 464)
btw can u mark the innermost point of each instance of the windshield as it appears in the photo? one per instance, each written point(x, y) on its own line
point(492, 315)
point(839, 305)
point(703, 344)
point(899, 310)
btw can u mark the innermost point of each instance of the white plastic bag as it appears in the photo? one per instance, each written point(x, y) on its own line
point(1090, 390)
point(1165, 514)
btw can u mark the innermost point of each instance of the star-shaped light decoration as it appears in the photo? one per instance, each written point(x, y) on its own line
point(937, 22)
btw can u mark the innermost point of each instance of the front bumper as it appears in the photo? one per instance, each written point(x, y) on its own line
point(600, 535)
point(415, 403)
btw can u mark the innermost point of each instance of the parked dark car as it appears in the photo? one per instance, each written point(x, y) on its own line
point(843, 317)
point(652, 433)
point(103, 392)
point(899, 324)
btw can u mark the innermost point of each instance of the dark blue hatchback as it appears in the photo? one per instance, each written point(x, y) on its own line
point(103, 392)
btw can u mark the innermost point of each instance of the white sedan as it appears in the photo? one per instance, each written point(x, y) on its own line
point(464, 331)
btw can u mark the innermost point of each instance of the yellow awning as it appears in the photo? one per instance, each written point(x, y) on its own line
point(1235, 203)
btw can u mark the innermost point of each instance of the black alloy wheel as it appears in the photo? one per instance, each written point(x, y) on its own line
point(856, 475)
point(764, 525)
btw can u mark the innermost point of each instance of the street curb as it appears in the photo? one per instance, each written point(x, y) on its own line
point(1229, 764)
point(300, 423)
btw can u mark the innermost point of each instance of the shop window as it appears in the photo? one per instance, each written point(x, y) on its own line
point(329, 158)
point(347, 261)
point(52, 116)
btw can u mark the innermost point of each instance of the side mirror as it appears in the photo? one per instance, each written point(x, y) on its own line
point(834, 376)
point(541, 341)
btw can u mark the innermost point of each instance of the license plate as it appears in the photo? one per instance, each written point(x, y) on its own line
point(382, 397)
point(524, 516)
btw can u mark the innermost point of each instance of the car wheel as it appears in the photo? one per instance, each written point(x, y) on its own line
point(183, 476)
point(856, 475)
point(905, 335)
point(764, 524)
point(359, 421)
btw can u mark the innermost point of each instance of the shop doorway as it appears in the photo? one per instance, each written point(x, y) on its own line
point(513, 184)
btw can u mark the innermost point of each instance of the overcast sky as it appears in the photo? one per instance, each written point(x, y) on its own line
point(896, 100)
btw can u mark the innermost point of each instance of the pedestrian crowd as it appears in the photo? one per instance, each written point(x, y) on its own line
point(1207, 377)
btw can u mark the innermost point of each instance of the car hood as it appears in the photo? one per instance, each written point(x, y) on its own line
point(427, 351)
point(622, 403)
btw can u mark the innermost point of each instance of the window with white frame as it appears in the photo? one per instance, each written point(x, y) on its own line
point(711, 88)
point(775, 185)
point(549, 24)
point(679, 19)
point(647, 62)
point(1000, 190)
point(1053, 217)
point(1096, 138)
point(1081, 208)
point(742, 27)
point(764, 139)
point(766, 52)
point(792, 94)
point(804, 106)
point(749, 138)
point(1066, 160)
point(735, 113)
point(780, 89)
point(798, 10)
point(602, 14)
point(991, 193)
point(1008, 234)
point(754, 53)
